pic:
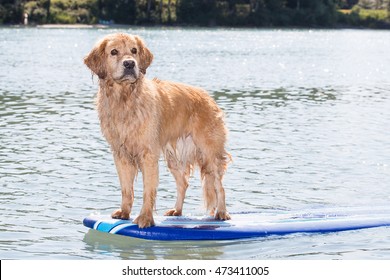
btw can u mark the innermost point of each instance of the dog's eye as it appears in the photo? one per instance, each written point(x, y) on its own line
point(114, 52)
point(134, 51)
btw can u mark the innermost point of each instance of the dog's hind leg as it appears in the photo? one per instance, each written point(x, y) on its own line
point(214, 193)
point(181, 179)
point(220, 212)
point(209, 193)
point(219, 171)
point(180, 157)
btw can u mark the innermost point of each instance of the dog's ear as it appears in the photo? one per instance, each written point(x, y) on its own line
point(145, 54)
point(96, 59)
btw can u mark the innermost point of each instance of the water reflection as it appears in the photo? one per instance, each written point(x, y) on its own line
point(278, 96)
point(130, 248)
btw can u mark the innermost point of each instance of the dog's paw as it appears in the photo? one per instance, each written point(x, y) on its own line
point(144, 221)
point(222, 215)
point(172, 212)
point(119, 214)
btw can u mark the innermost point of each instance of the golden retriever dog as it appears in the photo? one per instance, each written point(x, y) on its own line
point(142, 119)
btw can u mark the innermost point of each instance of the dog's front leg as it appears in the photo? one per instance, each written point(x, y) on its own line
point(126, 172)
point(149, 169)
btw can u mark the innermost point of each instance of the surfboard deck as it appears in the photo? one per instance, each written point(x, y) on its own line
point(246, 224)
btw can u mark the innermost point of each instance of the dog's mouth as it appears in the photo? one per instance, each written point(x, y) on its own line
point(130, 75)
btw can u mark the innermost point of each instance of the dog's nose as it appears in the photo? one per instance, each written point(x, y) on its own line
point(129, 64)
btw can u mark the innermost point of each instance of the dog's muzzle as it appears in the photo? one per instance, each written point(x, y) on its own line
point(130, 69)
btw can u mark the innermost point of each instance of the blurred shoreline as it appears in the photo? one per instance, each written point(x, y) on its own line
point(53, 26)
point(72, 26)
point(108, 26)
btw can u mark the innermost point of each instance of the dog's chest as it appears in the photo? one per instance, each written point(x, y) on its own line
point(121, 121)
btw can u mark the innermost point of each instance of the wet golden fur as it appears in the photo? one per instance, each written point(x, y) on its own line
point(142, 118)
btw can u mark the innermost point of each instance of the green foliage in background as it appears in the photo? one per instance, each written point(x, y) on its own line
point(61, 11)
point(11, 11)
point(367, 13)
point(262, 13)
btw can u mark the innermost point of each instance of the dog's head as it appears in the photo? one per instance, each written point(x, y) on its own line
point(120, 57)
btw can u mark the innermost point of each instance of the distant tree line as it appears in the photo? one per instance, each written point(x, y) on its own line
point(262, 13)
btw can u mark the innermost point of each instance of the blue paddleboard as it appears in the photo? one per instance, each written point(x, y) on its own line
point(246, 224)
